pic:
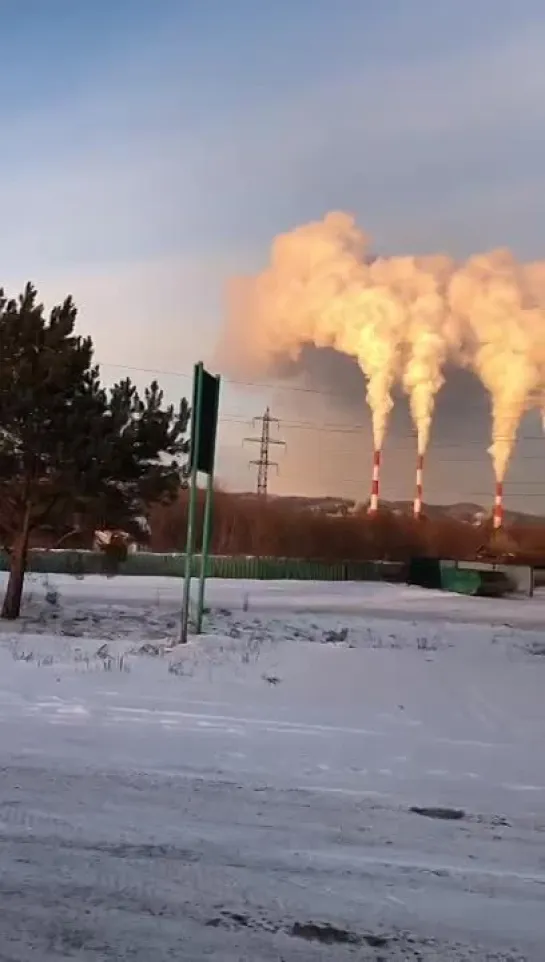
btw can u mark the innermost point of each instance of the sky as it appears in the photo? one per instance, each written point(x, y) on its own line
point(153, 148)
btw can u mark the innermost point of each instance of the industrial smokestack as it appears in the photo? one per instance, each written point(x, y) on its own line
point(417, 505)
point(498, 506)
point(373, 504)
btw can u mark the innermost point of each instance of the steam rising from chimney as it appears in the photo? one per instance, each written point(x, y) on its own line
point(402, 318)
point(505, 331)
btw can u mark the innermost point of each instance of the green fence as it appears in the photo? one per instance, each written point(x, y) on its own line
point(81, 563)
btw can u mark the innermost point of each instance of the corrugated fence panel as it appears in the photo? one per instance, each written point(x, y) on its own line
point(81, 563)
point(168, 565)
point(241, 567)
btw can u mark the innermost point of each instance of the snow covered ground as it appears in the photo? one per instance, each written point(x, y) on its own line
point(249, 796)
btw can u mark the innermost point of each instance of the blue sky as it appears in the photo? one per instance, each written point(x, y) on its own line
point(151, 148)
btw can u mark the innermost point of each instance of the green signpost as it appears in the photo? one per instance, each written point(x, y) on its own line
point(204, 423)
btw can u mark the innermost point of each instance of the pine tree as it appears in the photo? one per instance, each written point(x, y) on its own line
point(68, 446)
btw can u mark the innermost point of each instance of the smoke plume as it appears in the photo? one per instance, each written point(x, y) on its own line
point(504, 331)
point(402, 319)
point(429, 336)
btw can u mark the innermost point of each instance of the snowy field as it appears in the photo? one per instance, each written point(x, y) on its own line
point(250, 796)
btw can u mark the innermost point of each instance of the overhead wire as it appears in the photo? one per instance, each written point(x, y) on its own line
point(322, 426)
point(235, 382)
point(349, 430)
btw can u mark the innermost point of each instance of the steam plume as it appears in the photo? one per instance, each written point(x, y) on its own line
point(401, 318)
point(430, 334)
point(505, 336)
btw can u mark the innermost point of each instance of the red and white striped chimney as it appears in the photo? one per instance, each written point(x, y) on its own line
point(498, 506)
point(373, 503)
point(417, 504)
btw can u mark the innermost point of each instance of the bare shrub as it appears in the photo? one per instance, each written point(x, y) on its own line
point(246, 525)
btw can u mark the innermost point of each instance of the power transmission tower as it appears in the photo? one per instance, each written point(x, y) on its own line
point(263, 463)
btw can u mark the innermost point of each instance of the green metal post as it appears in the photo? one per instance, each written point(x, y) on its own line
point(192, 506)
point(206, 532)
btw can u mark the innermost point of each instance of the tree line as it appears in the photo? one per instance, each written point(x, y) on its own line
point(277, 527)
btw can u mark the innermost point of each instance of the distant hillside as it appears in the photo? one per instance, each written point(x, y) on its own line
point(467, 512)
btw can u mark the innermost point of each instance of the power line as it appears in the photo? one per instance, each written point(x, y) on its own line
point(264, 463)
point(510, 487)
point(464, 495)
point(326, 428)
point(322, 427)
point(261, 385)
point(335, 428)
